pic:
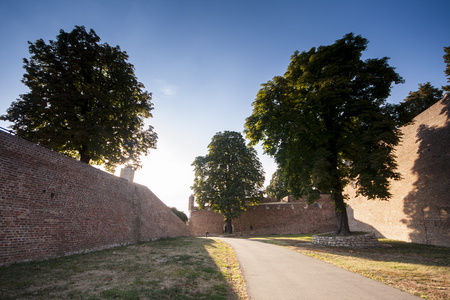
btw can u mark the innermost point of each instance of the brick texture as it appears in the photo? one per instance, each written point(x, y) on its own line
point(420, 207)
point(270, 218)
point(52, 205)
point(418, 211)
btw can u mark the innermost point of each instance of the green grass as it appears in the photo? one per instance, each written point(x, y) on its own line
point(422, 270)
point(197, 268)
point(180, 268)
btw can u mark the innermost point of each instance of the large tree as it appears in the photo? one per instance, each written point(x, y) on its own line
point(84, 100)
point(229, 178)
point(326, 124)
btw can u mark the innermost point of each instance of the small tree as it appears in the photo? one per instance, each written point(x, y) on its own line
point(447, 69)
point(277, 187)
point(417, 102)
point(326, 124)
point(229, 178)
point(180, 214)
point(84, 100)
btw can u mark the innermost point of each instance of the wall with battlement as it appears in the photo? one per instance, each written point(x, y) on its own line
point(52, 205)
point(270, 218)
point(420, 207)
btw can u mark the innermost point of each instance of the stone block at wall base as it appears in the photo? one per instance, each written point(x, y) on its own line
point(366, 240)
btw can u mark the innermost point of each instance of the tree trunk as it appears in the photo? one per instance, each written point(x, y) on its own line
point(339, 205)
point(84, 157)
point(229, 226)
point(341, 213)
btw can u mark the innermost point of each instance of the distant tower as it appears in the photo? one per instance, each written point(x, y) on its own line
point(191, 203)
point(127, 173)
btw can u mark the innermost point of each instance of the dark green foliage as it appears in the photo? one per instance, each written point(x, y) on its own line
point(84, 100)
point(180, 214)
point(447, 69)
point(277, 187)
point(326, 123)
point(229, 177)
point(417, 102)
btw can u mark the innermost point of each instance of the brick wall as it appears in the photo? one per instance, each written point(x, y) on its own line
point(418, 211)
point(270, 218)
point(420, 207)
point(52, 205)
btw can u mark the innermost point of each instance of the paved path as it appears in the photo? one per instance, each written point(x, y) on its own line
point(276, 273)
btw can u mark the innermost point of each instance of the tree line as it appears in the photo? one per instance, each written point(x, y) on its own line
point(326, 121)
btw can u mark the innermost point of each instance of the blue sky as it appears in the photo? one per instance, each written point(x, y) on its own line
point(204, 61)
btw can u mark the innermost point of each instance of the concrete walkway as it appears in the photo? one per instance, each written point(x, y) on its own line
point(273, 272)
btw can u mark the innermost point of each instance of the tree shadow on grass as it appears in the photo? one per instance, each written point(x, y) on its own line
point(390, 251)
point(176, 268)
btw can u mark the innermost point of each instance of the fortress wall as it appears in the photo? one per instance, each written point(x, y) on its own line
point(52, 205)
point(202, 221)
point(156, 220)
point(419, 210)
point(420, 207)
point(271, 218)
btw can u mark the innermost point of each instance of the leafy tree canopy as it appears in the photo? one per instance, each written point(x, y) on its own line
point(326, 124)
point(417, 102)
point(84, 100)
point(229, 177)
point(447, 69)
point(277, 187)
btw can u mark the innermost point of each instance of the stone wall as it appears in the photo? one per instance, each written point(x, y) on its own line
point(270, 218)
point(420, 207)
point(367, 240)
point(52, 205)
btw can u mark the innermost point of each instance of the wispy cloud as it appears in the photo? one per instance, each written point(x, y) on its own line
point(166, 89)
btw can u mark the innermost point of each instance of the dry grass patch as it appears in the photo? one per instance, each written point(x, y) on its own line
point(224, 257)
point(180, 268)
point(422, 270)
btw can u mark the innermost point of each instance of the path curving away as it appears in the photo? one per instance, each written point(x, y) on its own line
point(273, 272)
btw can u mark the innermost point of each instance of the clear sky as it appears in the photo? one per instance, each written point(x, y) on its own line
point(204, 60)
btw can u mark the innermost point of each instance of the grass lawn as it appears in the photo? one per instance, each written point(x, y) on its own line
point(180, 268)
point(422, 270)
point(198, 268)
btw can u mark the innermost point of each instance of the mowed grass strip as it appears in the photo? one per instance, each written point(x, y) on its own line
point(421, 270)
point(179, 268)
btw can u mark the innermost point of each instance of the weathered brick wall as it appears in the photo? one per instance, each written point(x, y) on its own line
point(271, 218)
point(202, 221)
point(156, 220)
point(418, 211)
point(52, 205)
point(420, 207)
